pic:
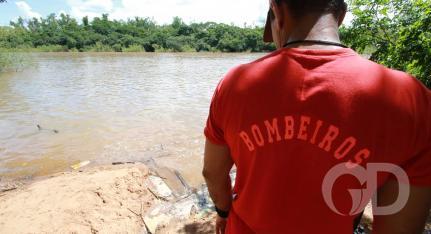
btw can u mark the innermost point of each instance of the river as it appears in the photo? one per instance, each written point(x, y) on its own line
point(108, 107)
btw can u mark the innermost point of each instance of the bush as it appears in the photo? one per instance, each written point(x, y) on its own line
point(396, 33)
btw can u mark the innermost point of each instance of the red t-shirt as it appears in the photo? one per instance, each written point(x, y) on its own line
point(290, 117)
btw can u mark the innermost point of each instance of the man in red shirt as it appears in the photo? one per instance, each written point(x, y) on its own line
point(288, 118)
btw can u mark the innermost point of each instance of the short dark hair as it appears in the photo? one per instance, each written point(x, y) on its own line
point(302, 7)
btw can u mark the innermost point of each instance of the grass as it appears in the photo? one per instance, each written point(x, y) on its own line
point(24, 49)
point(12, 61)
point(134, 48)
point(100, 47)
point(51, 48)
point(185, 48)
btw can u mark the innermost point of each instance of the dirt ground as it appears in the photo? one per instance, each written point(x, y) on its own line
point(201, 225)
point(98, 200)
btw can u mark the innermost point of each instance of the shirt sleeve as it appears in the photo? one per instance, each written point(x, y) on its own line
point(418, 168)
point(213, 129)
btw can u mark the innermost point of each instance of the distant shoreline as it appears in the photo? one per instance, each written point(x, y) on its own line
point(135, 52)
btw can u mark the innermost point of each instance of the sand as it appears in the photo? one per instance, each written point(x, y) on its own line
point(97, 200)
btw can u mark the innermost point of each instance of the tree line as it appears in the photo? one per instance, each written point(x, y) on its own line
point(64, 33)
point(396, 33)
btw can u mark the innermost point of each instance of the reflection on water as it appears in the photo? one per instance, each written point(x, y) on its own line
point(108, 107)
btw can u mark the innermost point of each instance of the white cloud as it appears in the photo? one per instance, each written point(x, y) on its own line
point(239, 12)
point(90, 8)
point(26, 10)
point(252, 12)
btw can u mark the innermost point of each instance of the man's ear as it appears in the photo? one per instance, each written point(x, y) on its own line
point(278, 12)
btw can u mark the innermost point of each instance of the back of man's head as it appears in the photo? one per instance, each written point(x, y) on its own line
point(302, 7)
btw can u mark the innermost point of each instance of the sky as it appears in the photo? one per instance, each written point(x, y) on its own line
point(238, 12)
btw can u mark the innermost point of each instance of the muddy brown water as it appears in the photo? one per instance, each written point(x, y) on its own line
point(108, 107)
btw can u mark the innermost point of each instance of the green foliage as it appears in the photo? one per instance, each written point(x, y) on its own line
point(63, 33)
point(396, 33)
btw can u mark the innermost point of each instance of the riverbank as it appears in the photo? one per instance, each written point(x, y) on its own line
point(114, 199)
point(61, 49)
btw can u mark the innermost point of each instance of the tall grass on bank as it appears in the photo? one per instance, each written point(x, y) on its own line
point(44, 48)
point(134, 48)
point(98, 47)
point(11, 61)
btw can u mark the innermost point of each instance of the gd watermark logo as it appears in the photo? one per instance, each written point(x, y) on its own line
point(368, 176)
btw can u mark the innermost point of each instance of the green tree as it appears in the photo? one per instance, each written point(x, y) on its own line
point(396, 33)
point(62, 32)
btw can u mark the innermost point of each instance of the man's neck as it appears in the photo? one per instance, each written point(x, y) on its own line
point(323, 28)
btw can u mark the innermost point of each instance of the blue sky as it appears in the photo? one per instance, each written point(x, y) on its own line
point(239, 12)
point(11, 10)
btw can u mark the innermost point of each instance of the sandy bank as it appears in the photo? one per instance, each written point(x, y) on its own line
point(95, 200)
point(108, 199)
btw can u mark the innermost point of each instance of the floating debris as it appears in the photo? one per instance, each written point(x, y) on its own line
point(7, 189)
point(164, 212)
point(122, 163)
point(159, 188)
point(80, 165)
point(204, 201)
point(51, 130)
point(10, 186)
point(174, 180)
point(176, 201)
